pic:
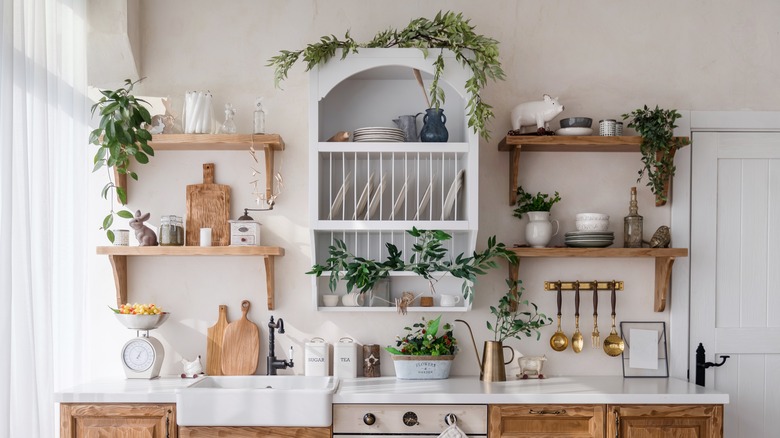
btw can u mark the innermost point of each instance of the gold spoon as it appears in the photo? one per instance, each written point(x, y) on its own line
point(577, 340)
point(559, 341)
point(613, 345)
point(595, 336)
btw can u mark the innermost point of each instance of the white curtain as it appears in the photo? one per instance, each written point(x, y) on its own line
point(44, 166)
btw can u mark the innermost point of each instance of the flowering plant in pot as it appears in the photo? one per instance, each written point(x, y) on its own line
point(426, 351)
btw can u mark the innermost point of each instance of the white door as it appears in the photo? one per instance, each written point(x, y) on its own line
point(735, 274)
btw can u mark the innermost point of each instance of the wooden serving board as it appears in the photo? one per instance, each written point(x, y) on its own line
point(214, 338)
point(208, 206)
point(241, 346)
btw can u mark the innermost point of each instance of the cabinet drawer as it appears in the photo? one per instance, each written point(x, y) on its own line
point(526, 421)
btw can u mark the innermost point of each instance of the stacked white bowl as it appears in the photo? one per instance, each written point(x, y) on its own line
point(591, 231)
point(592, 222)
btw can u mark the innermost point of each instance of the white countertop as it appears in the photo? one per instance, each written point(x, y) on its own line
point(455, 390)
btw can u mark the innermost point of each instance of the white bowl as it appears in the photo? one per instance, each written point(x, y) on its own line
point(592, 225)
point(591, 216)
point(142, 322)
point(330, 300)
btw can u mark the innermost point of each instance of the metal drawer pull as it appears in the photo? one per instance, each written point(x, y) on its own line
point(450, 419)
point(543, 412)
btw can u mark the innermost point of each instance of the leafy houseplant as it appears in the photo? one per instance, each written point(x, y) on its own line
point(424, 339)
point(447, 30)
point(539, 202)
point(120, 138)
point(656, 126)
point(428, 258)
point(510, 321)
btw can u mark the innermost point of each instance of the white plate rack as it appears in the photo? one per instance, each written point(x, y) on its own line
point(392, 186)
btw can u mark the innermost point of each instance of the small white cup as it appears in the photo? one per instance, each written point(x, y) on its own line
point(449, 300)
point(330, 300)
point(205, 237)
point(121, 237)
point(353, 299)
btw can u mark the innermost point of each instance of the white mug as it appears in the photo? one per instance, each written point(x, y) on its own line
point(449, 300)
point(353, 299)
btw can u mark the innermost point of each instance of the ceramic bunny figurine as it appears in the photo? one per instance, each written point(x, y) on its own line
point(143, 234)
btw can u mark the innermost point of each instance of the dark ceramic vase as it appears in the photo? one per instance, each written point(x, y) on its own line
point(433, 129)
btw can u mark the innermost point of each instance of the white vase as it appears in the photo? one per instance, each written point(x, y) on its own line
point(539, 229)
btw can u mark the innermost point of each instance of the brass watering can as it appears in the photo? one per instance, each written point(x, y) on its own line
point(491, 367)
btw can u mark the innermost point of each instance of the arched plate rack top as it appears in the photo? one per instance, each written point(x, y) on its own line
point(364, 63)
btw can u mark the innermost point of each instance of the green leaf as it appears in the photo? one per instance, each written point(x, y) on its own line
point(141, 157)
point(107, 221)
point(110, 235)
point(124, 214)
point(122, 195)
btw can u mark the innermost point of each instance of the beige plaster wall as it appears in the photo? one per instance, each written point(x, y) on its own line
point(602, 58)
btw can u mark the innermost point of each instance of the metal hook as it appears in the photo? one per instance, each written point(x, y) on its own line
point(450, 419)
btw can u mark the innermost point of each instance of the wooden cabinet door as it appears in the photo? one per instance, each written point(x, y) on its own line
point(117, 421)
point(540, 421)
point(665, 421)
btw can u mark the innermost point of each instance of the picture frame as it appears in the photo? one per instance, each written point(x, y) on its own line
point(650, 359)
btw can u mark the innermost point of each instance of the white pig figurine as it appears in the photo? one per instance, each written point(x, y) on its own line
point(539, 112)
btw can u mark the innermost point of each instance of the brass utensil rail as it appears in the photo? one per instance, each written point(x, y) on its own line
point(584, 285)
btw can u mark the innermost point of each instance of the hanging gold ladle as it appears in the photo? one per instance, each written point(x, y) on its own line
point(614, 344)
point(577, 340)
point(559, 341)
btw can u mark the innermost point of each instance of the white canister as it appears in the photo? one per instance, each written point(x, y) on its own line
point(316, 355)
point(345, 360)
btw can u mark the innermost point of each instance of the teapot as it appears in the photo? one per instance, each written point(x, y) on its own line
point(491, 367)
point(408, 124)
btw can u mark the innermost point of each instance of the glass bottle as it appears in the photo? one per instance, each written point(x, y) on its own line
point(229, 126)
point(632, 225)
point(259, 117)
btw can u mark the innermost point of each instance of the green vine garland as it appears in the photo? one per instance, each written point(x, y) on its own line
point(447, 30)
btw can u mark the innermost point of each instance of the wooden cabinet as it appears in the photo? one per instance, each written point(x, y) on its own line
point(526, 421)
point(117, 420)
point(619, 421)
point(665, 421)
point(254, 432)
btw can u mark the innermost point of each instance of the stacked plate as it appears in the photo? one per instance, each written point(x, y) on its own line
point(378, 134)
point(589, 239)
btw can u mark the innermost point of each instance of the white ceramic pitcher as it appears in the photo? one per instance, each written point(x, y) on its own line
point(538, 231)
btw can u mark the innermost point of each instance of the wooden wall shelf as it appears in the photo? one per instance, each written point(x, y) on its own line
point(557, 143)
point(118, 257)
point(664, 259)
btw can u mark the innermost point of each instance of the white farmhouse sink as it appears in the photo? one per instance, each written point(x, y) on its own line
point(303, 401)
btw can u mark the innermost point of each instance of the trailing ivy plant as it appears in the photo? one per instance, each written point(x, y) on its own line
point(656, 126)
point(447, 30)
point(121, 139)
point(527, 202)
point(427, 260)
point(511, 322)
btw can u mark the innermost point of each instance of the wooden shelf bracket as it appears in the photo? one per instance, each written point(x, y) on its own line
point(663, 276)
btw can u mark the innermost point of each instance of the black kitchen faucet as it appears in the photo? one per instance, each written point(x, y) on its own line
point(273, 363)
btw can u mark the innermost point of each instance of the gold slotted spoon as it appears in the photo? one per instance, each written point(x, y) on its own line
point(614, 344)
point(577, 341)
point(595, 336)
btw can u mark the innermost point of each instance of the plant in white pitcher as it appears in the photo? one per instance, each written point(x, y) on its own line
point(539, 229)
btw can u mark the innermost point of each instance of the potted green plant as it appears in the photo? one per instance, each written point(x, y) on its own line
point(426, 351)
point(428, 261)
point(538, 230)
point(121, 139)
point(656, 127)
point(448, 30)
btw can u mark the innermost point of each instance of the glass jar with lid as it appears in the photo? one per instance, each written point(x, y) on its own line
point(171, 231)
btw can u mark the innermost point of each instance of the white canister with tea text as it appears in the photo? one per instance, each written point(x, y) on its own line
point(345, 360)
point(316, 355)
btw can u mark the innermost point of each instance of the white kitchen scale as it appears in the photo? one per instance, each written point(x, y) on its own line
point(142, 356)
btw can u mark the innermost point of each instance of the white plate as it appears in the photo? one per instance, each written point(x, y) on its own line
point(452, 194)
point(425, 198)
point(399, 201)
point(361, 204)
point(334, 207)
point(574, 131)
point(376, 197)
point(590, 244)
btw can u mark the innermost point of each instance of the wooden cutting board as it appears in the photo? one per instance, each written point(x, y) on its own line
point(241, 346)
point(214, 337)
point(208, 206)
